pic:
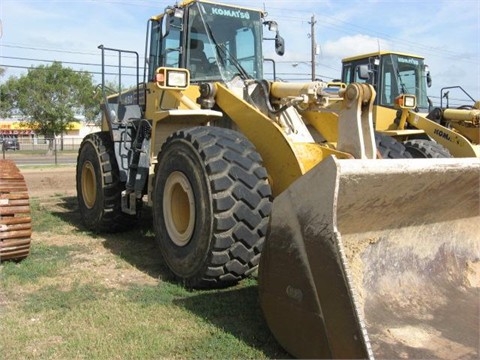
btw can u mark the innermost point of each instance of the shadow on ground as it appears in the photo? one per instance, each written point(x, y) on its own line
point(236, 311)
point(136, 246)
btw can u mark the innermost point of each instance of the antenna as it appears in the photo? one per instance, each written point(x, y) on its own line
point(314, 45)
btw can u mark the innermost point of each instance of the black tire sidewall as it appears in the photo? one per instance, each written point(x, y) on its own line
point(421, 148)
point(390, 148)
point(416, 152)
point(190, 260)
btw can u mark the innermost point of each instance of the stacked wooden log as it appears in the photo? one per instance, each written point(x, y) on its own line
point(15, 219)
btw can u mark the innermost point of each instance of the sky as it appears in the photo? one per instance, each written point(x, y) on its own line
point(446, 33)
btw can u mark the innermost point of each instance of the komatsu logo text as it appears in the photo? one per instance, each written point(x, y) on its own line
point(231, 13)
point(408, 60)
point(442, 134)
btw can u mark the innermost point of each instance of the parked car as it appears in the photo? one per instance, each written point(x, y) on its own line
point(9, 144)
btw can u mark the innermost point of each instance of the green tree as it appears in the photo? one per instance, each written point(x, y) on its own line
point(49, 97)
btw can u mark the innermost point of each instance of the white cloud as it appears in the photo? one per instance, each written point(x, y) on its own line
point(353, 45)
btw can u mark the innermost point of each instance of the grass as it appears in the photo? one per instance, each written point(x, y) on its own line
point(44, 261)
point(80, 296)
point(48, 221)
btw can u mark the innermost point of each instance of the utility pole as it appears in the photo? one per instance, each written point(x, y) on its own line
point(314, 46)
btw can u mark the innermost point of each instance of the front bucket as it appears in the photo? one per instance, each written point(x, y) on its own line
point(376, 258)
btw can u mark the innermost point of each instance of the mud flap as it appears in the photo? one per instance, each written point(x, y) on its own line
point(376, 258)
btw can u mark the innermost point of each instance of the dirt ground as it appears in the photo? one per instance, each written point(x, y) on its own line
point(44, 182)
point(54, 188)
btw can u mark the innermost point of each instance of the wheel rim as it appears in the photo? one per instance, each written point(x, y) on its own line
point(179, 208)
point(89, 185)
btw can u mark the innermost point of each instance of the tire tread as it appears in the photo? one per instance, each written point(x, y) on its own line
point(241, 203)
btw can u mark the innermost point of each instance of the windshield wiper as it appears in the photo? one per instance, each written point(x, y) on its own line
point(404, 89)
point(225, 53)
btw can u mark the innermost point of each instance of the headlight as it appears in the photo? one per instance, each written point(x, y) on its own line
point(170, 78)
point(176, 79)
point(405, 102)
point(409, 101)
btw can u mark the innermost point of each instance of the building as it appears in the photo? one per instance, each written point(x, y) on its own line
point(28, 138)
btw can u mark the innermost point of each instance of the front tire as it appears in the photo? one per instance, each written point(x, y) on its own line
point(98, 186)
point(421, 148)
point(211, 205)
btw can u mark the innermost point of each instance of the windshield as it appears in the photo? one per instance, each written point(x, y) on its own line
point(403, 75)
point(223, 42)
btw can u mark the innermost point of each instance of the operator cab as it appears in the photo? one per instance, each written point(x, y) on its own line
point(392, 74)
point(214, 42)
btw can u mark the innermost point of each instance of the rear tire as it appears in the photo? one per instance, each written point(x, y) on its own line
point(211, 206)
point(98, 186)
point(390, 148)
point(421, 148)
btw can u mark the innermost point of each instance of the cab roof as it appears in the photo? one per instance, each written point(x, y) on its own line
point(185, 3)
point(379, 53)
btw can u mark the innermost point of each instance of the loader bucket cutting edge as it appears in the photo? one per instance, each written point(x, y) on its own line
point(381, 260)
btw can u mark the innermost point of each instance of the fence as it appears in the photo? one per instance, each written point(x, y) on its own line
point(35, 151)
point(67, 143)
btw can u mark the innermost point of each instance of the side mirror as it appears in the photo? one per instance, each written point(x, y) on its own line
point(427, 74)
point(429, 79)
point(279, 45)
point(279, 42)
point(171, 13)
point(272, 25)
point(167, 21)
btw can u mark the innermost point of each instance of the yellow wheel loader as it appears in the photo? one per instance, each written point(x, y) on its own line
point(403, 110)
point(354, 253)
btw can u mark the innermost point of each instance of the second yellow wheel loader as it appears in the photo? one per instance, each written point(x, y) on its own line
point(403, 110)
point(352, 251)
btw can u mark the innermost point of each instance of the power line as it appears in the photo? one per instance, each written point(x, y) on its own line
point(327, 21)
point(45, 49)
point(335, 23)
point(66, 62)
point(330, 22)
point(75, 52)
point(77, 71)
